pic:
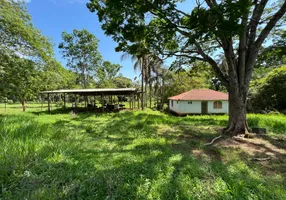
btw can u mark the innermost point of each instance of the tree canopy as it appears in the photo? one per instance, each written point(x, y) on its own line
point(213, 31)
point(80, 48)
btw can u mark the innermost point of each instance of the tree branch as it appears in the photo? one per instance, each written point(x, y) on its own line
point(254, 21)
point(272, 22)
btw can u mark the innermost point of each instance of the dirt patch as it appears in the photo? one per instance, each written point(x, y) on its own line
point(254, 146)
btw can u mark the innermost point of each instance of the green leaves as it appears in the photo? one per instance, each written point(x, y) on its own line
point(80, 48)
point(18, 35)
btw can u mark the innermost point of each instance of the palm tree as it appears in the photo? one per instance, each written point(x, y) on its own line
point(139, 64)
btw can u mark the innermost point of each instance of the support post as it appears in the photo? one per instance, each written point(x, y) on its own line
point(133, 101)
point(130, 102)
point(138, 99)
point(41, 102)
point(49, 103)
point(64, 100)
point(75, 101)
point(102, 109)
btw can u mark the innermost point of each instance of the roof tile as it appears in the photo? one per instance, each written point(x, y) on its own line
point(201, 95)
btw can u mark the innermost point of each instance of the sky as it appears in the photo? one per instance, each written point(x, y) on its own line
point(53, 17)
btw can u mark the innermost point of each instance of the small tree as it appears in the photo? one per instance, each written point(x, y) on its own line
point(80, 48)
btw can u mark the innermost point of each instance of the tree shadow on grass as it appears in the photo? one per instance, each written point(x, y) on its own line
point(126, 157)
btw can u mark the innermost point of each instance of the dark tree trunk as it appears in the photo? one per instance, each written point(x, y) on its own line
point(150, 93)
point(237, 123)
point(142, 87)
point(146, 96)
point(23, 102)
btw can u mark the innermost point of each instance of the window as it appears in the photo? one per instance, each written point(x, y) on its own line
point(172, 103)
point(217, 105)
point(190, 102)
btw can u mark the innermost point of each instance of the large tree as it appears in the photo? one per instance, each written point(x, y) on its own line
point(80, 48)
point(23, 52)
point(232, 29)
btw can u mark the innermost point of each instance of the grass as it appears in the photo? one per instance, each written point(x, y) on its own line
point(133, 155)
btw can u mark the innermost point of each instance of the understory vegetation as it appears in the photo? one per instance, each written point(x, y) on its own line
point(136, 155)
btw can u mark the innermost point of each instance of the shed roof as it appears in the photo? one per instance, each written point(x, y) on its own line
point(201, 95)
point(97, 91)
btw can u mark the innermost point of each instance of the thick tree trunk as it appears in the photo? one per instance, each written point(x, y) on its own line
point(23, 102)
point(142, 89)
point(150, 93)
point(237, 123)
point(146, 95)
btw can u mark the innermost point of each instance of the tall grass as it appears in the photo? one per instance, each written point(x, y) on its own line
point(129, 155)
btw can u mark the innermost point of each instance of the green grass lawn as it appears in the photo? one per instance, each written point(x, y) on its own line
point(135, 155)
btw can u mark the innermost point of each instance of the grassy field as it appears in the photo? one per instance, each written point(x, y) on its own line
point(137, 155)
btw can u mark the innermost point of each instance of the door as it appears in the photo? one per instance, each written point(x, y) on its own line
point(204, 107)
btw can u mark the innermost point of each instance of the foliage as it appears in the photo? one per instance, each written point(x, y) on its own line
point(216, 32)
point(18, 35)
point(106, 73)
point(131, 155)
point(122, 82)
point(271, 91)
point(275, 54)
point(80, 48)
point(20, 80)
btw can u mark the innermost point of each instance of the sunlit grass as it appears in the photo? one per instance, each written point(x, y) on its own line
point(130, 155)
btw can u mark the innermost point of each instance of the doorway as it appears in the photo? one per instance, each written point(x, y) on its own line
point(204, 107)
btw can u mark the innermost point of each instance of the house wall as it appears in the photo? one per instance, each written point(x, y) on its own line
point(175, 106)
point(195, 107)
point(182, 107)
point(224, 108)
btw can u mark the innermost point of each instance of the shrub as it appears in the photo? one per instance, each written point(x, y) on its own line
point(271, 93)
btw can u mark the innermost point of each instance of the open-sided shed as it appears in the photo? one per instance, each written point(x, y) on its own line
point(101, 92)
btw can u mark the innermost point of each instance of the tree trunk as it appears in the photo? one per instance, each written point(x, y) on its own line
point(24, 105)
point(237, 123)
point(142, 86)
point(150, 93)
point(146, 96)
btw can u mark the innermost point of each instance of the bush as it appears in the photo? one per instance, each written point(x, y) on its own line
point(271, 93)
point(10, 101)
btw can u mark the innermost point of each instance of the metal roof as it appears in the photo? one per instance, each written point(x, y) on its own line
point(200, 95)
point(97, 91)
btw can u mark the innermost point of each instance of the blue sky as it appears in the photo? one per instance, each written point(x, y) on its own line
point(53, 17)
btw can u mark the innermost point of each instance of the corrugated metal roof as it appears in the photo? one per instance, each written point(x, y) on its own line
point(98, 90)
point(201, 95)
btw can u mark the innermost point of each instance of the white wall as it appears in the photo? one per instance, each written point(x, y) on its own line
point(224, 108)
point(175, 106)
point(182, 107)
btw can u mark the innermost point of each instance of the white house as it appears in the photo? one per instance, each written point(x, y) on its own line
point(199, 101)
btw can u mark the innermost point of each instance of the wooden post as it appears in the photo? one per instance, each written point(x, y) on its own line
point(41, 102)
point(64, 100)
point(102, 109)
point(75, 101)
point(133, 101)
point(49, 103)
point(129, 102)
point(138, 99)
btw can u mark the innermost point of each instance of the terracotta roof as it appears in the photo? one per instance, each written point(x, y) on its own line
point(201, 94)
